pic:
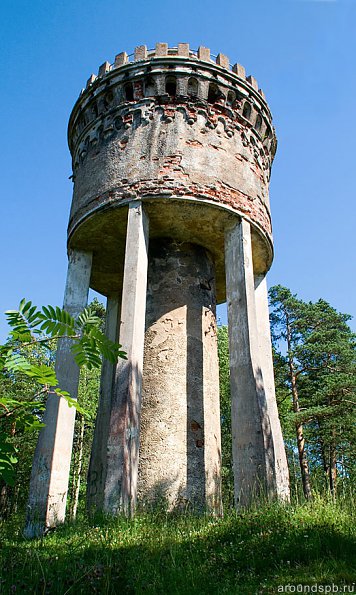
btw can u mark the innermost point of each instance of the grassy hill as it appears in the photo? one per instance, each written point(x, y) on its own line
point(257, 551)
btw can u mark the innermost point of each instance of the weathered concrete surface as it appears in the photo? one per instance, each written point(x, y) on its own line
point(171, 130)
point(98, 460)
point(192, 141)
point(252, 440)
point(266, 363)
point(171, 157)
point(120, 487)
point(50, 468)
point(180, 424)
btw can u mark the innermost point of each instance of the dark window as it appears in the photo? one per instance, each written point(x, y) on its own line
point(258, 123)
point(247, 111)
point(193, 87)
point(214, 93)
point(128, 89)
point(109, 98)
point(231, 96)
point(150, 87)
point(171, 86)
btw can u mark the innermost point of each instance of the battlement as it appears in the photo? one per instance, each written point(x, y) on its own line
point(182, 50)
point(168, 82)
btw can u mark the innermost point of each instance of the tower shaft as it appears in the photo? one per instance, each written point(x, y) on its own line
point(172, 154)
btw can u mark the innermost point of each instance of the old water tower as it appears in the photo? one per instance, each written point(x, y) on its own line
point(172, 152)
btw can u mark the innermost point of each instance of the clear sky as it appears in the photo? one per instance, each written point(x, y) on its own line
point(302, 53)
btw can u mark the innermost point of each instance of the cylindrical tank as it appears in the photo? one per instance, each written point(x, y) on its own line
point(185, 134)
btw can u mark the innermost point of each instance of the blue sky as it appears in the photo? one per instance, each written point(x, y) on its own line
point(302, 53)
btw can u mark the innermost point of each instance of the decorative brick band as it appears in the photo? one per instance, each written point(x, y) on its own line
point(91, 133)
point(221, 194)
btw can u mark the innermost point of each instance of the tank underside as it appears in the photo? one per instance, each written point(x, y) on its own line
point(182, 219)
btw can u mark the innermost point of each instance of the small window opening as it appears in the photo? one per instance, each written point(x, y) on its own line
point(128, 89)
point(109, 98)
point(231, 96)
point(193, 87)
point(247, 111)
point(150, 87)
point(214, 93)
point(258, 123)
point(171, 86)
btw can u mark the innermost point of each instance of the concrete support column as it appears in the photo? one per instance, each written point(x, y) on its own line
point(266, 362)
point(98, 460)
point(120, 488)
point(180, 431)
point(51, 464)
point(252, 444)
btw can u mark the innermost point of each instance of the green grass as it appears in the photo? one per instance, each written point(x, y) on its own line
point(247, 553)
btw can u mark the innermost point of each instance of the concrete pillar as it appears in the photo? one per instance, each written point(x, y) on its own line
point(98, 461)
point(120, 489)
point(180, 426)
point(51, 464)
point(266, 362)
point(252, 444)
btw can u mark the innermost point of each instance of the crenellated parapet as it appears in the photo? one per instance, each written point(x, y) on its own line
point(171, 76)
point(181, 51)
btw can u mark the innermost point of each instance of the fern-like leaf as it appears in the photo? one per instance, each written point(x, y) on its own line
point(55, 322)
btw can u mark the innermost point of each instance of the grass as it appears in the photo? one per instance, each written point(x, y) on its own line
point(256, 551)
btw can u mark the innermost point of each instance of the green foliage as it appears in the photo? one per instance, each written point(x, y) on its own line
point(322, 350)
point(225, 414)
point(32, 335)
point(30, 325)
point(245, 553)
point(88, 395)
point(8, 459)
point(314, 344)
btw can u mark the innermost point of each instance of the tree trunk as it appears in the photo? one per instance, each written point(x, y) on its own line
point(324, 455)
point(332, 466)
point(303, 461)
point(77, 468)
point(3, 500)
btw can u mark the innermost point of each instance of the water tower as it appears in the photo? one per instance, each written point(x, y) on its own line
point(172, 151)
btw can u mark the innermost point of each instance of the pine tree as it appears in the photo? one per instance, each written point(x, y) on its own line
point(315, 364)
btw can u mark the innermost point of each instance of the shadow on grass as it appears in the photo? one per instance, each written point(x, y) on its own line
point(249, 553)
